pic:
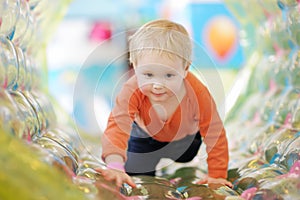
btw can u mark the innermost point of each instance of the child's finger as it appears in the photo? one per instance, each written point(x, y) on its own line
point(203, 181)
point(100, 170)
point(229, 184)
point(119, 182)
point(130, 182)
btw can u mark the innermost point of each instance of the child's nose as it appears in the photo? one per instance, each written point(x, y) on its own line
point(157, 85)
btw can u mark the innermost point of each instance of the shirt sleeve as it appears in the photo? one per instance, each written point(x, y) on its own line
point(115, 137)
point(212, 129)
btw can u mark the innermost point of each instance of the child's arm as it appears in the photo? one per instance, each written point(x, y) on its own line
point(213, 131)
point(116, 135)
point(114, 158)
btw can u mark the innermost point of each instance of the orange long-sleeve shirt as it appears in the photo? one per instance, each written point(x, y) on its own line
point(197, 111)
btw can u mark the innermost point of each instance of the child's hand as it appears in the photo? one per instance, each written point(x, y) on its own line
point(116, 176)
point(210, 180)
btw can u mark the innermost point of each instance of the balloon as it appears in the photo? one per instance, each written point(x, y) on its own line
point(221, 36)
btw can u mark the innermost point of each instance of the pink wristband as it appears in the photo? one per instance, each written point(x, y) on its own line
point(116, 165)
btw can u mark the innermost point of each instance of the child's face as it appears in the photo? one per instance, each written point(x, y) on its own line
point(160, 77)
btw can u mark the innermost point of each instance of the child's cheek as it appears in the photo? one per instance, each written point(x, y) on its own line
point(174, 86)
point(145, 88)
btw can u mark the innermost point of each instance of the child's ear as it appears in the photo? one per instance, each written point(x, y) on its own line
point(186, 69)
point(133, 65)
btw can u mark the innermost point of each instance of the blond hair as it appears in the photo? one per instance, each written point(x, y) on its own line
point(163, 37)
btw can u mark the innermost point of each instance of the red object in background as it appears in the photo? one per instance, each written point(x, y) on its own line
point(221, 36)
point(101, 31)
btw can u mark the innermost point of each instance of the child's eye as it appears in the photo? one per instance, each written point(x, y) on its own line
point(148, 75)
point(169, 75)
